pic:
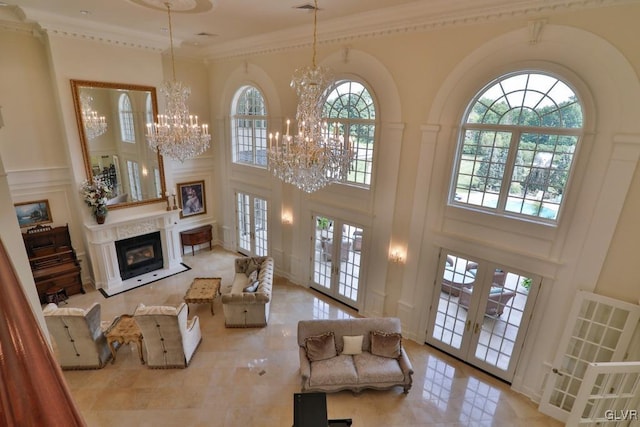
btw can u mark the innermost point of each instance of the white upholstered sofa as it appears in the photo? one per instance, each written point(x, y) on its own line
point(78, 335)
point(245, 305)
point(170, 338)
point(352, 354)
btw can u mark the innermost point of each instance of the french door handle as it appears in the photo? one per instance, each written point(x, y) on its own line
point(468, 325)
point(476, 328)
point(558, 373)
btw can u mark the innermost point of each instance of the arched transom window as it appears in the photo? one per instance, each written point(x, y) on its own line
point(249, 128)
point(350, 105)
point(125, 111)
point(517, 145)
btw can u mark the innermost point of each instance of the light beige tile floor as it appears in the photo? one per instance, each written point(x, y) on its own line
point(247, 377)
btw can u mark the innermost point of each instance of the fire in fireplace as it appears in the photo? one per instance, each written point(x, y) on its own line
point(139, 255)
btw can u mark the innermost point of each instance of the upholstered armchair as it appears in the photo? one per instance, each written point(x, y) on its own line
point(170, 339)
point(78, 335)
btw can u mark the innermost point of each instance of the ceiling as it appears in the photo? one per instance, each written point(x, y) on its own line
point(214, 28)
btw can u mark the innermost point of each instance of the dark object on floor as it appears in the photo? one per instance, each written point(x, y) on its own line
point(309, 410)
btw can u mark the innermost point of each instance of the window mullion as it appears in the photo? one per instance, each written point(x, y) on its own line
point(508, 170)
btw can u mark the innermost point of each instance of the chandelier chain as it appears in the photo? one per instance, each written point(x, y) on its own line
point(173, 62)
point(315, 32)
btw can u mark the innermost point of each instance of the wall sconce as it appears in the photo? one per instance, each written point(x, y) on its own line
point(287, 218)
point(145, 172)
point(396, 256)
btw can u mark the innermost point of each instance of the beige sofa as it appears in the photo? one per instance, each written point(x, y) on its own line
point(245, 308)
point(371, 364)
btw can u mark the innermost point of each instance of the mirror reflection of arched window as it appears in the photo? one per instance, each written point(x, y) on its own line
point(148, 109)
point(134, 180)
point(156, 178)
point(125, 112)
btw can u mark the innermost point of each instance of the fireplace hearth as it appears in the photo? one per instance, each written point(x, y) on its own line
point(139, 255)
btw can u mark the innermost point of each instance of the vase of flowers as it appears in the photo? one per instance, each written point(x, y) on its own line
point(95, 193)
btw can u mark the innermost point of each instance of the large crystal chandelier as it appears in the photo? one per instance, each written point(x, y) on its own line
point(94, 125)
point(177, 134)
point(317, 155)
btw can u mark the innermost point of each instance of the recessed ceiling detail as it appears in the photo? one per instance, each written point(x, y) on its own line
point(180, 6)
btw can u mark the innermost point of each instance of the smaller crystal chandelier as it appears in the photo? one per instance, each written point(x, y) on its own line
point(94, 125)
point(177, 134)
point(317, 155)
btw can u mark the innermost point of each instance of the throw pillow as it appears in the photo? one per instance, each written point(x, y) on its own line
point(252, 277)
point(252, 287)
point(352, 344)
point(252, 265)
point(386, 344)
point(320, 347)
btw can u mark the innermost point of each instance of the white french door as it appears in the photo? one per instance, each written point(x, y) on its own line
point(337, 250)
point(480, 312)
point(252, 231)
point(598, 330)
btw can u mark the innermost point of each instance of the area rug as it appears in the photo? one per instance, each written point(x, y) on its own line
point(145, 279)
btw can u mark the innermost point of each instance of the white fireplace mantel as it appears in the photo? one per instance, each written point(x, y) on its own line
point(101, 240)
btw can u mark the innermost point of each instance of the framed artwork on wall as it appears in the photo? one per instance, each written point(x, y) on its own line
point(33, 213)
point(191, 198)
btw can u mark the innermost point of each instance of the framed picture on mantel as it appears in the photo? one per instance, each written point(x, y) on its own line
point(33, 213)
point(191, 198)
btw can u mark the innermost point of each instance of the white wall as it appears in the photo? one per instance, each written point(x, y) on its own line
point(435, 74)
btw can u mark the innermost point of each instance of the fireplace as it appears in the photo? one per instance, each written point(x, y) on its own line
point(122, 225)
point(140, 254)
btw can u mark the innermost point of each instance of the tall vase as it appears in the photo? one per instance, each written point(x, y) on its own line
point(101, 213)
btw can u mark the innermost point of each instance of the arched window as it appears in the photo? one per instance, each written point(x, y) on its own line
point(127, 131)
point(249, 127)
point(517, 145)
point(350, 105)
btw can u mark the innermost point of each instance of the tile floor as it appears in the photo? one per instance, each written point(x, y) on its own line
point(247, 377)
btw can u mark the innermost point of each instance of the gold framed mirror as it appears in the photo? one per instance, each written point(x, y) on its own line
point(112, 120)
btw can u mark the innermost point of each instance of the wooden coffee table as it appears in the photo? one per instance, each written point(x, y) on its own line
point(125, 330)
point(203, 290)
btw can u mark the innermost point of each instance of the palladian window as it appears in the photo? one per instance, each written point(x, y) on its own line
point(249, 128)
point(516, 147)
point(350, 106)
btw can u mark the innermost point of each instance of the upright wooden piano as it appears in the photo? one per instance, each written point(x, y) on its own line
point(53, 260)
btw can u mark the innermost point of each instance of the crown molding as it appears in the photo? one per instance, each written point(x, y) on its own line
point(412, 17)
point(53, 24)
point(417, 16)
point(18, 27)
point(11, 20)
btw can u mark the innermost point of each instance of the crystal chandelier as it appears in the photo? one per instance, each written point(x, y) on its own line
point(94, 125)
point(317, 155)
point(177, 134)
